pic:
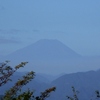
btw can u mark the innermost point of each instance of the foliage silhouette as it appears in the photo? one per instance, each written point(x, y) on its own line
point(75, 97)
point(15, 93)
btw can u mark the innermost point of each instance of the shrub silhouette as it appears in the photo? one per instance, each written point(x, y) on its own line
point(14, 93)
point(75, 97)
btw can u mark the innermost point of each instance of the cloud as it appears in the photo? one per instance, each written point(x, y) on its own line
point(11, 31)
point(7, 41)
point(15, 35)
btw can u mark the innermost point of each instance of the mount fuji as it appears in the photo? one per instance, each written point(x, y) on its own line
point(51, 57)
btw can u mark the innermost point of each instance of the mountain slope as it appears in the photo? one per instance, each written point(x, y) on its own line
point(45, 55)
point(52, 57)
point(85, 82)
point(45, 49)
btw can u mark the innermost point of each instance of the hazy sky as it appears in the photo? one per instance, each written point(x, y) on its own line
point(76, 23)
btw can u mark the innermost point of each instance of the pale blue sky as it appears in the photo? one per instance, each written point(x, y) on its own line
point(76, 23)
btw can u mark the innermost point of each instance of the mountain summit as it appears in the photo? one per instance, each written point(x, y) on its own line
point(46, 54)
point(45, 49)
point(52, 49)
point(52, 56)
point(55, 49)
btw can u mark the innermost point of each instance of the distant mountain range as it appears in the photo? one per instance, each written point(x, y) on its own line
point(84, 82)
point(52, 57)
